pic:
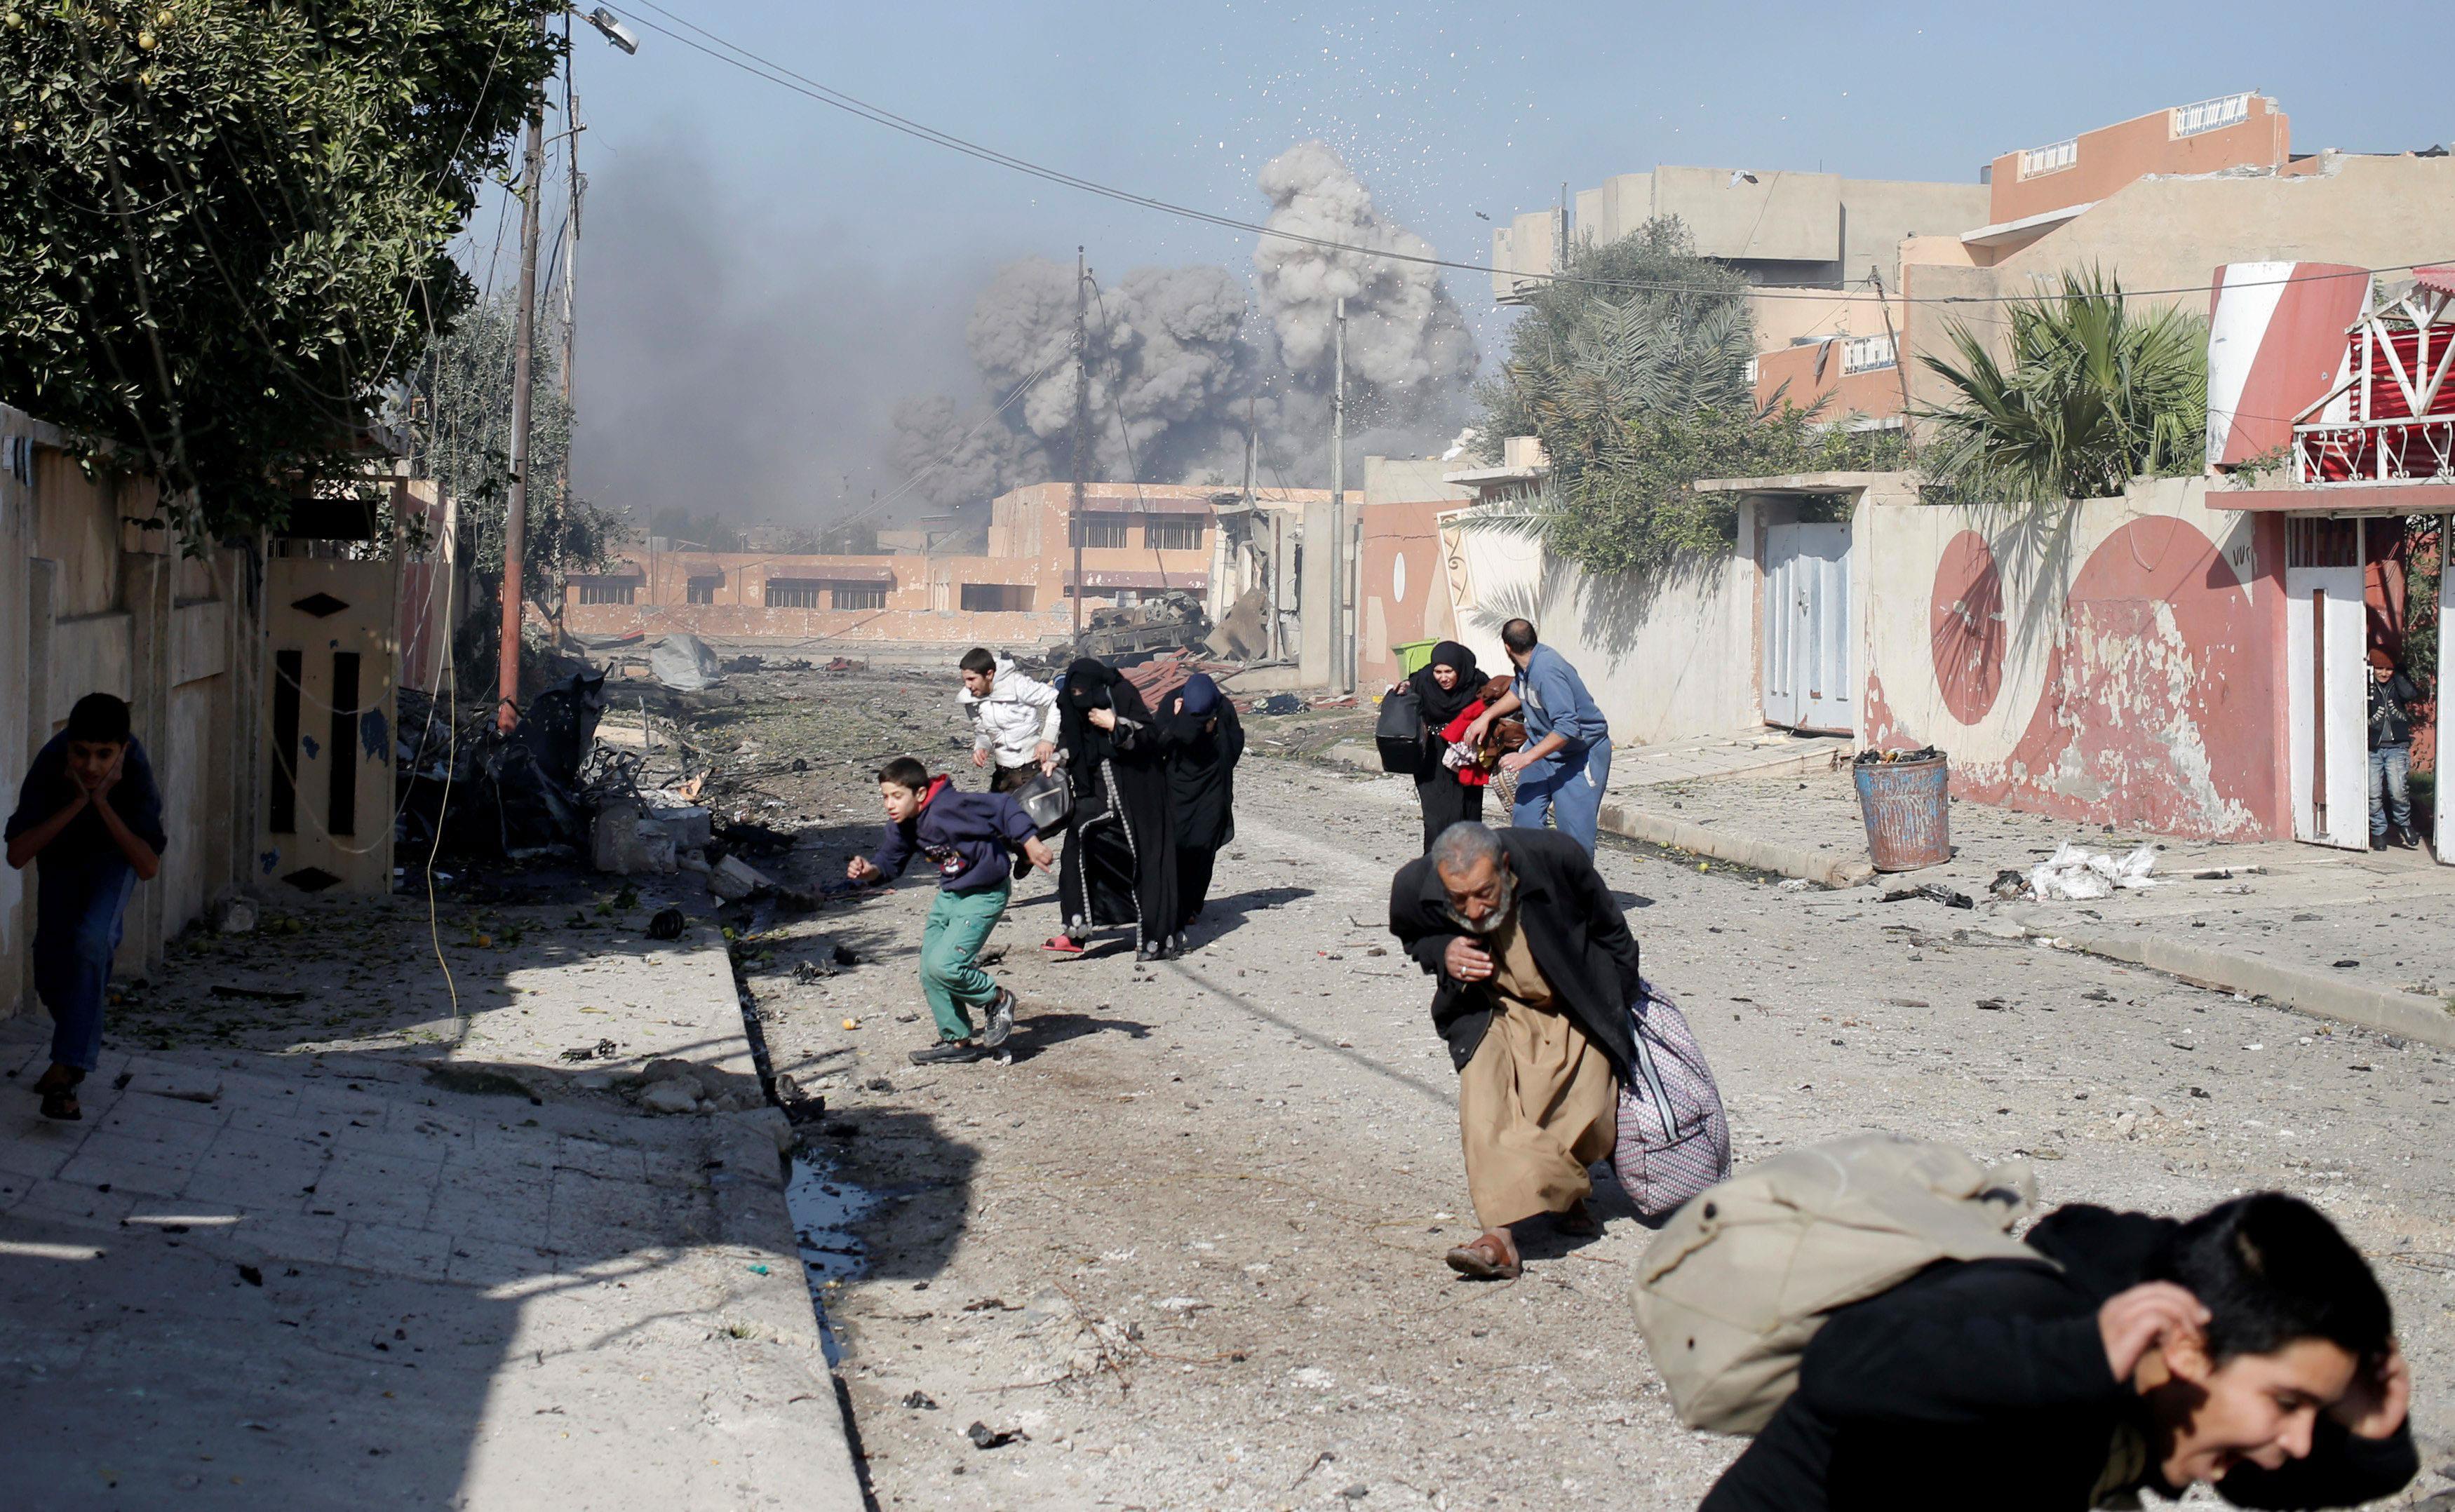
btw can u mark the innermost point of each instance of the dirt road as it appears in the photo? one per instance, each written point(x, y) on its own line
point(1187, 1248)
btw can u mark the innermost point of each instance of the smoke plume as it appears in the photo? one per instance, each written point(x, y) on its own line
point(1177, 360)
point(727, 368)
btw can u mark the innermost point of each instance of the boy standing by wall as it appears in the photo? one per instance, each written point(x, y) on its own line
point(90, 811)
point(966, 836)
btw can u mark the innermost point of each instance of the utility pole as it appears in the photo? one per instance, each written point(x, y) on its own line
point(1900, 362)
point(1082, 431)
point(1340, 663)
point(570, 327)
point(507, 708)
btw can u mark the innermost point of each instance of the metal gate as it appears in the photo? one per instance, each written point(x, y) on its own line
point(1807, 628)
point(2325, 649)
point(328, 708)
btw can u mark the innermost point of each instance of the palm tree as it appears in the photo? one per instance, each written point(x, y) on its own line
point(2096, 394)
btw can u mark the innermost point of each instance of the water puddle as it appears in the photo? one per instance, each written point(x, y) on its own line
point(824, 1208)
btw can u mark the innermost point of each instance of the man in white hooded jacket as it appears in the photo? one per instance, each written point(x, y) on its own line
point(1014, 719)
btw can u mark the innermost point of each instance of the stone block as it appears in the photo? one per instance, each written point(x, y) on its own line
point(734, 879)
point(692, 827)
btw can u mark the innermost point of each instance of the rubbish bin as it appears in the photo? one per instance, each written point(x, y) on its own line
point(1908, 810)
point(1414, 657)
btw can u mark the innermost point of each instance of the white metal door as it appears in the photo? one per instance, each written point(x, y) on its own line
point(2442, 832)
point(1807, 628)
point(2326, 648)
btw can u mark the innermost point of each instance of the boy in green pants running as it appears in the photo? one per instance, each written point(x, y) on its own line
point(968, 837)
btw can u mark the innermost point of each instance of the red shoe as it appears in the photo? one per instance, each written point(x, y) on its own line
point(1062, 945)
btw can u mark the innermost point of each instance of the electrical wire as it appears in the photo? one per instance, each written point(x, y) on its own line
point(734, 55)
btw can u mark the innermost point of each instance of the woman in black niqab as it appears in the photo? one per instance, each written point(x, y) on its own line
point(1119, 862)
point(1445, 688)
point(1205, 742)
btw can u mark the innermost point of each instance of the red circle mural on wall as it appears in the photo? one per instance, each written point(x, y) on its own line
point(1966, 627)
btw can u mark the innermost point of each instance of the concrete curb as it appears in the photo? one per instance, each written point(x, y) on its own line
point(2406, 1015)
point(1739, 850)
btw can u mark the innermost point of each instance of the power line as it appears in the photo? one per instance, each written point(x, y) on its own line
point(734, 55)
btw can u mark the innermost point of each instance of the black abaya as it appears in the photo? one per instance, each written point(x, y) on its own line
point(1445, 800)
point(1204, 748)
point(1119, 862)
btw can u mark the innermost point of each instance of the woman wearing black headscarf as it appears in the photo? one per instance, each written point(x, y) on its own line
point(1205, 739)
point(1444, 689)
point(1120, 864)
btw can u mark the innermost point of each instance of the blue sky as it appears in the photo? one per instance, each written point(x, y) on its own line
point(1443, 109)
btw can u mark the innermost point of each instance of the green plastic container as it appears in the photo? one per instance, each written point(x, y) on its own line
point(1414, 657)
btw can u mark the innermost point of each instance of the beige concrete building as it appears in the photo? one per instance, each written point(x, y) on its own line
point(2156, 202)
point(1139, 540)
point(2164, 235)
point(1800, 236)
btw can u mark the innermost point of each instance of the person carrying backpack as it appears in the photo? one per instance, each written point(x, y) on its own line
point(2111, 1352)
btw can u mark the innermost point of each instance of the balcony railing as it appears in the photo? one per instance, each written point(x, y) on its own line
point(2209, 115)
point(2036, 160)
point(2408, 450)
point(1869, 354)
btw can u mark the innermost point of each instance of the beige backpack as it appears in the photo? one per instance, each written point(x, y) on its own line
point(1742, 1275)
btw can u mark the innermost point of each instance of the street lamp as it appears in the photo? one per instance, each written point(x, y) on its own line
point(610, 25)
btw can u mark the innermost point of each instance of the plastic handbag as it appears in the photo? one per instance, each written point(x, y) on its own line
point(1674, 1139)
point(1400, 733)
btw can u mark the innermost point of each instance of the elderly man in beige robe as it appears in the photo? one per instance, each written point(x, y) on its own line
point(1536, 971)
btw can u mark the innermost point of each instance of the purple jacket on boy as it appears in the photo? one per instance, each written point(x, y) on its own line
point(966, 835)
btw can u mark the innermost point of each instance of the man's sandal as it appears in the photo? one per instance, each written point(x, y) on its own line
point(1486, 1259)
point(57, 1088)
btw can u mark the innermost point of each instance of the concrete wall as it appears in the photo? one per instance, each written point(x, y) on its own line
point(1405, 592)
point(1787, 316)
point(1664, 660)
point(1874, 394)
point(434, 585)
point(1782, 226)
point(922, 600)
point(1029, 548)
point(2115, 661)
point(90, 602)
point(2109, 157)
point(1402, 586)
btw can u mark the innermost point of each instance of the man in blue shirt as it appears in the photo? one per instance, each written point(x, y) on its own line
point(1567, 760)
point(90, 813)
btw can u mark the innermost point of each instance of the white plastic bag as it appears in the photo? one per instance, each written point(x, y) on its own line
point(2073, 875)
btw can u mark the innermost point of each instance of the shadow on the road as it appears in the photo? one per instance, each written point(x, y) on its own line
point(1046, 1031)
point(911, 1232)
point(1629, 900)
point(1223, 915)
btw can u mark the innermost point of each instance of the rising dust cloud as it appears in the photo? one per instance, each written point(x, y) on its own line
point(721, 377)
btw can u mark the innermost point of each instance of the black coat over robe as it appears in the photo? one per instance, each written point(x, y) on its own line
point(1119, 862)
point(1576, 929)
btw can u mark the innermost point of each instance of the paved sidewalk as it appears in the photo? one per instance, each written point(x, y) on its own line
point(1741, 754)
point(435, 1268)
point(2333, 932)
